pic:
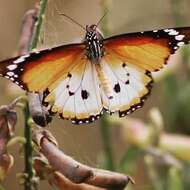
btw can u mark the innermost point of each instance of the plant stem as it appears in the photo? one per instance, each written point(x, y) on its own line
point(104, 126)
point(29, 185)
point(28, 153)
point(38, 24)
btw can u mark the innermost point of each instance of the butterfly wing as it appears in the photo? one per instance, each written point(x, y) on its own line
point(147, 50)
point(66, 77)
point(36, 71)
point(131, 85)
point(128, 61)
point(77, 97)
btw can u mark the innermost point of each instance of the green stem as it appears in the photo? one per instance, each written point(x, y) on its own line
point(38, 24)
point(28, 153)
point(104, 124)
point(29, 185)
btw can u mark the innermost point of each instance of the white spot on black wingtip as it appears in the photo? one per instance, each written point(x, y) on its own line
point(21, 59)
point(133, 109)
point(179, 37)
point(180, 44)
point(173, 33)
point(11, 67)
point(155, 31)
point(166, 30)
point(10, 74)
point(80, 122)
point(128, 112)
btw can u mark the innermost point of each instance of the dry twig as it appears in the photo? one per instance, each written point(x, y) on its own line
point(73, 170)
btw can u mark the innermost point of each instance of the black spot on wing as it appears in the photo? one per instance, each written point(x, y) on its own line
point(71, 93)
point(84, 94)
point(69, 75)
point(127, 82)
point(124, 65)
point(117, 88)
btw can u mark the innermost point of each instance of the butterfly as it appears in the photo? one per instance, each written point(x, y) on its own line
point(82, 80)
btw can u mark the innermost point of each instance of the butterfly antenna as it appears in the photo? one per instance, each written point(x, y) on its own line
point(106, 12)
point(74, 21)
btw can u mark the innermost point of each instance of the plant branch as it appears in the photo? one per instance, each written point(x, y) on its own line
point(38, 24)
point(29, 39)
point(76, 172)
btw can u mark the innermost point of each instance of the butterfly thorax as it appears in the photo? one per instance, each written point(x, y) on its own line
point(94, 44)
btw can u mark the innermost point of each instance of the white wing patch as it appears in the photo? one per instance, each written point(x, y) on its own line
point(77, 97)
point(130, 86)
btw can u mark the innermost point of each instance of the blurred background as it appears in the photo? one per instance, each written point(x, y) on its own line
point(152, 144)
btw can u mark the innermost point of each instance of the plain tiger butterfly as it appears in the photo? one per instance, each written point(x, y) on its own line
point(80, 81)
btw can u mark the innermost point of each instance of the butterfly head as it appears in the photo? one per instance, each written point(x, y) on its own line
point(92, 30)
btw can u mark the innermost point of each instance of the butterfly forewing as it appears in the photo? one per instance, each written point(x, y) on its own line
point(147, 50)
point(38, 71)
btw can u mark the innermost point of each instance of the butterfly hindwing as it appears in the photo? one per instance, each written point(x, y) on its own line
point(131, 85)
point(148, 50)
point(77, 97)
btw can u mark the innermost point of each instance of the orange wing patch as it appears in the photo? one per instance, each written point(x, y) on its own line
point(38, 71)
point(49, 70)
point(147, 53)
point(147, 50)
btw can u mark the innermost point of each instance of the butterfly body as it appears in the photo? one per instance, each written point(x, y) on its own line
point(79, 81)
point(95, 52)
point(94, 44)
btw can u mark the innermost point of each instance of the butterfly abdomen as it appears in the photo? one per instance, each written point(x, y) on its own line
point(104, 81)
